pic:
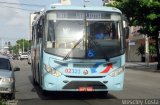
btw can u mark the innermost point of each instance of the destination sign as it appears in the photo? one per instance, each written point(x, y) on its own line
point(80, 15)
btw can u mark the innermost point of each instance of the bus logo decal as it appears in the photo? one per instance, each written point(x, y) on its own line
point(85, 72)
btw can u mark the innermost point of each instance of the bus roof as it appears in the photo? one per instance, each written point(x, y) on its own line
point(69, 7)
point(77, 8)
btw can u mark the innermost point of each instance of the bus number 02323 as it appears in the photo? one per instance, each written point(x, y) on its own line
point(73, 71)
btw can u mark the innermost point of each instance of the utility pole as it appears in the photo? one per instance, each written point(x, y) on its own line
point(147, 50)
point(23, 46)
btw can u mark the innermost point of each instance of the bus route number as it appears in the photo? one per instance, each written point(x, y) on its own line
point(72, 71)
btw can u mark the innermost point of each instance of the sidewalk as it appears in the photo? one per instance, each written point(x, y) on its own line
point(142, 66)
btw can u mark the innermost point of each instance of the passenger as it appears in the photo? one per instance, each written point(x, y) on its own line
point(100, 34)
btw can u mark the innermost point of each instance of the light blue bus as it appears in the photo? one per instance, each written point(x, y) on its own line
point(67, 55)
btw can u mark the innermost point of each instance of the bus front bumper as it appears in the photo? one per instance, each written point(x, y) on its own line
point(63, 83)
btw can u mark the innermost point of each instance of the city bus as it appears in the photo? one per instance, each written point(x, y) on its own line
point(67, 55)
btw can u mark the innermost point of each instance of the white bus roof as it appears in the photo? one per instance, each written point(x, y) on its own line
point(69, 7)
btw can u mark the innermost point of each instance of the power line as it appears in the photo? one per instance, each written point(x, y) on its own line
point(33, 5)
point(16, 8)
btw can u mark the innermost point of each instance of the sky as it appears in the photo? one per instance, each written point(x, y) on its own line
point(14, 23)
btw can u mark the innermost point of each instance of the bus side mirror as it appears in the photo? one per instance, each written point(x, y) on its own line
point(125, 27)
point(126, 32)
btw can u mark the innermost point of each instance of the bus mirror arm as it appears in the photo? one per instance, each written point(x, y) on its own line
point(126, 32)
point(125, 26)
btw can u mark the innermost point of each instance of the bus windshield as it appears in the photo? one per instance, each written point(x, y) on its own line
point(66, 28)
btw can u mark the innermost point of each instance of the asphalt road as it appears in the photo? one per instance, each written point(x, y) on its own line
point(139, 84)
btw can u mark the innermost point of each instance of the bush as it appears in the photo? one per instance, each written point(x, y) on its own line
point(141, 50)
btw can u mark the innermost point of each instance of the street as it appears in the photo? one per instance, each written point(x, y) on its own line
point(138, 85)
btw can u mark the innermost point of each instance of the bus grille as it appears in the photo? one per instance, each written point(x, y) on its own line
point(83, 65)
point(85, 76)
point(77, 84)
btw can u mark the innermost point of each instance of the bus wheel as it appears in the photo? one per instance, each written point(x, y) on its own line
point(44, 92)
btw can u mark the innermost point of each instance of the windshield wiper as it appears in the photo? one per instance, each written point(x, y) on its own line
point(77, 43)
point(94, 43)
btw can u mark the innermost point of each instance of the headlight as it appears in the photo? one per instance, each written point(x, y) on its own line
point(51, 70)
point(7, 80)
point(117, 72)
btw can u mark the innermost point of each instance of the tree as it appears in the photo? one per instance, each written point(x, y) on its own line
point(143, 13)
point(21, 44)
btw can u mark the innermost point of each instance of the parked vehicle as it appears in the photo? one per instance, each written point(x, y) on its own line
point(7, 78)
point(23, 56)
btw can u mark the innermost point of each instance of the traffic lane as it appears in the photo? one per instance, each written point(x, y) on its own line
point(70, 102)
point(24, 89)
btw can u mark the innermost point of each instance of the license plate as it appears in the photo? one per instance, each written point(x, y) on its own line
point(86, 89)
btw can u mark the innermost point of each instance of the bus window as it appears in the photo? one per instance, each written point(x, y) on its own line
point(64, 33)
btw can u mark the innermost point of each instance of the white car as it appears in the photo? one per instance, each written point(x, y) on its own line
point(23, 56)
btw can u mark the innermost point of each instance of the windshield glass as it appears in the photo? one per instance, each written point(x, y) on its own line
point(66, 28)
point(5, 64)
point(107, 36)
point(63, 34)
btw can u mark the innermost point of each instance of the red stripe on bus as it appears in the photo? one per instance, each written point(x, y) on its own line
point(107, 68)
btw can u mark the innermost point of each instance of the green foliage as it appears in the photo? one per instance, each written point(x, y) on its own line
point(143, 13)
point(2, 101)
point(152, 16)
point(152, 49)
point(19, 45)
point(141, 49)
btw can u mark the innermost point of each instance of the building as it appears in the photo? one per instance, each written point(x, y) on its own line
point(134, 41)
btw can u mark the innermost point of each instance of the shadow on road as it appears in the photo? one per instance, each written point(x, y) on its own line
point(69, 95)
